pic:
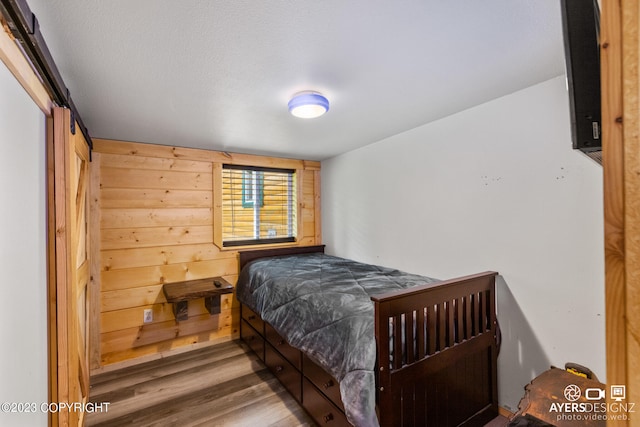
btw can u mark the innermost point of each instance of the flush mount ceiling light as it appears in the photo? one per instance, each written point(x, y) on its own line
point(308, 105)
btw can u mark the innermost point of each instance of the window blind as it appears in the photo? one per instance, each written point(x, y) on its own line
point(258, 205)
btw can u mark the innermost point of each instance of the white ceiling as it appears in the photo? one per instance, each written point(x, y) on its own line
point(218, 74)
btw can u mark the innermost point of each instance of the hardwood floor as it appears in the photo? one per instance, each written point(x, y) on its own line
point(221, 385)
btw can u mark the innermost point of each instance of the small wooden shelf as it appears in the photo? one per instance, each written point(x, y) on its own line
point(180, 293)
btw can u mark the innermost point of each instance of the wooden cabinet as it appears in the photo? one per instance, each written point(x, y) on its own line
point(315, 389)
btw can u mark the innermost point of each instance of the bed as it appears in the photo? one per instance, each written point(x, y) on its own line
point(364, 345)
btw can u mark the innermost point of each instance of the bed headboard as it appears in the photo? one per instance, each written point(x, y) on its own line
point(247, 256)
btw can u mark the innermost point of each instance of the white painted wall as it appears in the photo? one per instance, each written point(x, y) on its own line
point(23, 316)
point(496, 187)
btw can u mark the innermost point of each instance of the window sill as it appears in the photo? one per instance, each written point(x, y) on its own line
point(260, 246)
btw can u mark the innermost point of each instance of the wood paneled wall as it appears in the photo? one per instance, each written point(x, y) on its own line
point(156, 222)
point(620, 66)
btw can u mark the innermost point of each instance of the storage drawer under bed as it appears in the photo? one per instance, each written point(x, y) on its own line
point(321, 408)
point(293, 355)
point(328, 385)
point(252, 338)
point(253, 319)
point(307, 382)
point(289, 376)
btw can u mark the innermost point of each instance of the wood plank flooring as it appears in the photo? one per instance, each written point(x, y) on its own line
point(222, 385)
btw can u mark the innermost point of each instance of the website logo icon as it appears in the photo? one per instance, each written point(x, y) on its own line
point(618, 392)
point(594, 393)
point(572, 392)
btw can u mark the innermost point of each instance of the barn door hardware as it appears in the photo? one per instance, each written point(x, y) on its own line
point(25, 29)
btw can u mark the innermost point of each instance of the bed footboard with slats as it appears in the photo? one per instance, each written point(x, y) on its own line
point(437, 353)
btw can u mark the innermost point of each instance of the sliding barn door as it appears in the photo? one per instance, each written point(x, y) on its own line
point(72, 266)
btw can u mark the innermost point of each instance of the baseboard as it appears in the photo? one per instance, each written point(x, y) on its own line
point(151, 357)
point(505, 412)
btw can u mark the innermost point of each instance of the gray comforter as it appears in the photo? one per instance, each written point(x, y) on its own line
point(321, 305)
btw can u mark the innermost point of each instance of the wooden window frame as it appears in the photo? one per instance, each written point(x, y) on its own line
point(217, 171)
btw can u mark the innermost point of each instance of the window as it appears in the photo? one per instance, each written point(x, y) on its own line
point(252, 188)
point(258, 205)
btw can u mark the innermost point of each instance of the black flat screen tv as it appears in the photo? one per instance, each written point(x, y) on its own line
point(581, 28)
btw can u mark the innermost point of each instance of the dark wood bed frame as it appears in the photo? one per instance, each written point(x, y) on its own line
point(448, 377)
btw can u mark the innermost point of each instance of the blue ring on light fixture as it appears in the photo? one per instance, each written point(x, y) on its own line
point(308, 105)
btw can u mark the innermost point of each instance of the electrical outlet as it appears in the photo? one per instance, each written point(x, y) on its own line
point(148, 315)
